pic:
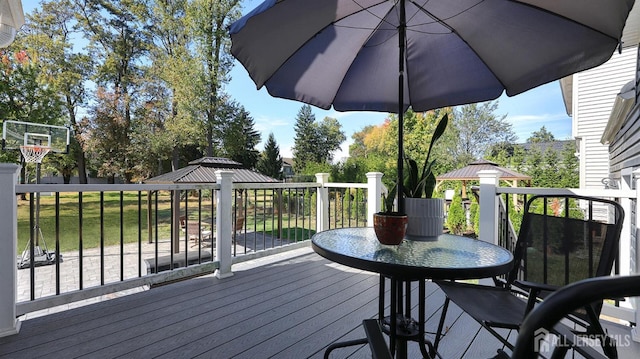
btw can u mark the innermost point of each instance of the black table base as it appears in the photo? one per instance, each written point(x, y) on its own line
point(406, 328)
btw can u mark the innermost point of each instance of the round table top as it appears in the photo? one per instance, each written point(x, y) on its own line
point(447, 257)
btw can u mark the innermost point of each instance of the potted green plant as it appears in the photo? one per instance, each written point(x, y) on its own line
point(425, 214)
point(389, 226)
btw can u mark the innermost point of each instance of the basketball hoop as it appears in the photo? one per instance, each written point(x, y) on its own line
point(34, 154)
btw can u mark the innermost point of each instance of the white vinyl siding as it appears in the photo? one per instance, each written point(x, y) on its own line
point(594, 93)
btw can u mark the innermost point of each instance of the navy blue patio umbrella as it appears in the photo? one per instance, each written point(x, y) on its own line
point(389, 55)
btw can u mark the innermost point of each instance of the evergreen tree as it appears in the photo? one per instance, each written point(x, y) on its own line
point(570, 169)
point(456, 219)
point(239, 137)
point(541, 135)
point(270, 162)
point(306, 140)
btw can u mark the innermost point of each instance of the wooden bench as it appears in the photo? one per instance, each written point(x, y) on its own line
point(164, 262)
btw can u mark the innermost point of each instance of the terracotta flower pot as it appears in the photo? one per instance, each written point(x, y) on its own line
point(390, 228)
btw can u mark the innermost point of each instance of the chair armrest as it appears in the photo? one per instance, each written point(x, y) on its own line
point(523, 284)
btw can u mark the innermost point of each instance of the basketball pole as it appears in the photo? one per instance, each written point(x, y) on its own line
point(38, 233)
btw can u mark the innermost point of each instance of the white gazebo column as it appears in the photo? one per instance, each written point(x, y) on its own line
point(489, 180)
point(224, 223)
point(322, 209)
point(9, 325)
point(374, 195)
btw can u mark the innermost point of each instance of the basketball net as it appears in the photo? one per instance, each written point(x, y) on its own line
point(34, 154)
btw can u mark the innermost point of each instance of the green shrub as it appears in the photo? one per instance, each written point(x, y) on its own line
point(456, 218)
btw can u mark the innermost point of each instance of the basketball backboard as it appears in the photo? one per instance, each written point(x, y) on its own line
point(18, 133)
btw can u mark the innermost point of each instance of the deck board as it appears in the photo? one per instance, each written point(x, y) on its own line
point(292, 307)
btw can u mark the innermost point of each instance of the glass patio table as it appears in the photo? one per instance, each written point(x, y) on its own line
point(446, 257)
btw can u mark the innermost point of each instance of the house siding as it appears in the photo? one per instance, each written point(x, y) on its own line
point(595, 91)
point(624, 158)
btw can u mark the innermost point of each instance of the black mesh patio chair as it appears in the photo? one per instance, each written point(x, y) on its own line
point(562, 239)
point(545, 317)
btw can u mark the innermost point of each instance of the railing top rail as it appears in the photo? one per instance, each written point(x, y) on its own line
point(345, 185)
point(29, 188)
point(607, 193)
point(32, 188)
point(275, 185)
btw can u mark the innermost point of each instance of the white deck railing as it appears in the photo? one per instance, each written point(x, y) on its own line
point(11, 307)
point(489, 196)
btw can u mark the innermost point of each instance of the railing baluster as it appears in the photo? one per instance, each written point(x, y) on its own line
point(101, 238)
point(186, 227)
point(80, 225)
point(155, 259)
point(58, 255)
point(121, 235)
point(140, 233)
point(32, 243)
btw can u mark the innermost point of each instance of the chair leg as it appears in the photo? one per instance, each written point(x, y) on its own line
point(443, 315)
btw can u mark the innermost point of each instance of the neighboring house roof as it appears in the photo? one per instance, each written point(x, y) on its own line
point(557, 146)
point(287, 161)
point(470, 172)
point(203, 171)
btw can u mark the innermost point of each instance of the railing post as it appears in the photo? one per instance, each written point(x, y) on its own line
point(374, 194)
point(489, 180)
point(224, 223)
point(9, 325)
point(322, 209)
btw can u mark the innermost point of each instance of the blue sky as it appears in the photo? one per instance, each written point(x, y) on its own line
point(527, 112)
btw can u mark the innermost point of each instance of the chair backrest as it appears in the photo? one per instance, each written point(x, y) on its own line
point(565, 300)
point(567, 238)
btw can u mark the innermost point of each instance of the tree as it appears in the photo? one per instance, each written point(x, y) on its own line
point(569, 172)
point(109, 138)
point(330, 137)
point(239, 137)
point(173, 91)
point(24, 96)
point(456, 219)
point(49, 37)
point(208, 22)
point(474, 130)
point(315, 142)
point(542, 135)
point(270, 162)
point(118, 44)
point(306, 140)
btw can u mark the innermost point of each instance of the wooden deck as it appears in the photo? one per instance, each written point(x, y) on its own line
point(287, 306)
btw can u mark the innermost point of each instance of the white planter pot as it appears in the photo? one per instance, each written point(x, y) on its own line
point(426, 218)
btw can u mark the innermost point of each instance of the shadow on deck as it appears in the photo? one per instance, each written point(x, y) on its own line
point(290, 305)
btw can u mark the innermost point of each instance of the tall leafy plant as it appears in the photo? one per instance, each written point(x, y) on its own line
point(420, 182)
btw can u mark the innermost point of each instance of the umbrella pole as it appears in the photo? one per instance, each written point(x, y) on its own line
point(402, 31)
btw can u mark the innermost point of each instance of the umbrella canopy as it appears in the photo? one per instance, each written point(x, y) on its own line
point(203, 170)
point(387, 55)
point(345, 53)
